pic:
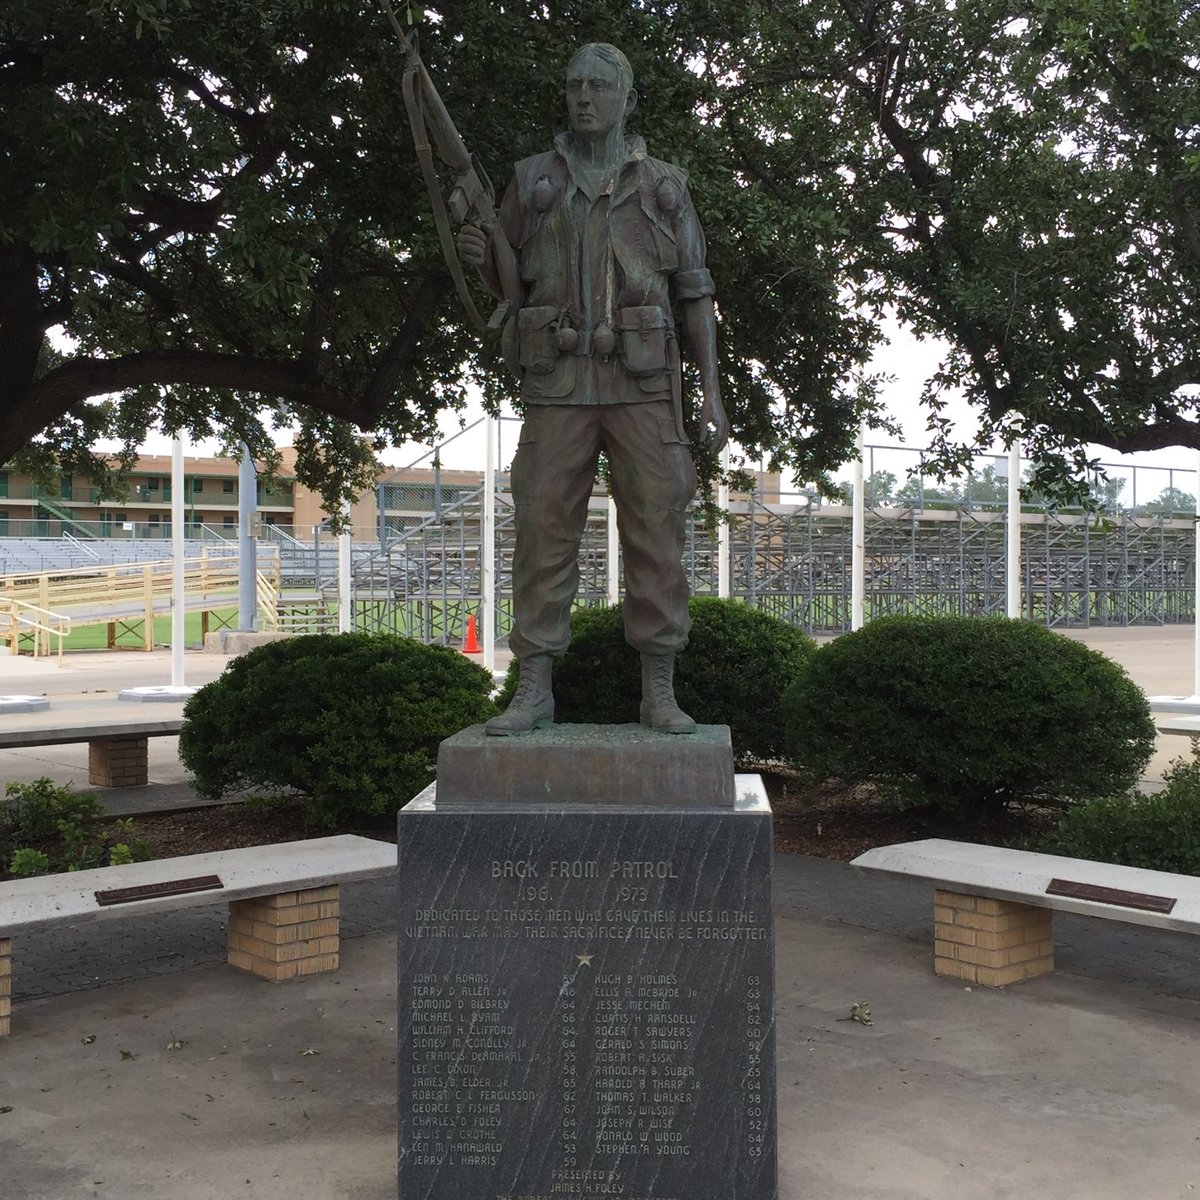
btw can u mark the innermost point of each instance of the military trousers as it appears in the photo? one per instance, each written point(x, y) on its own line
point(653, 479)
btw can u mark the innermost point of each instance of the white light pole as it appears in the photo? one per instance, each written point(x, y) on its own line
point(177, 690)
point(345, 600)
point(858, 540)
point(178, 581)
point(723, 575)
point(614, 551)
point(1196, 596)
point(487, 567)
point(1013, 539)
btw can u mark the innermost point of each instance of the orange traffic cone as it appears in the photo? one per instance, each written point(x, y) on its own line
point(472, 644)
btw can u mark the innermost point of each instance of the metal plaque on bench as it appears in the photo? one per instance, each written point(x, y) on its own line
point(152, 891)
point(1109, 895)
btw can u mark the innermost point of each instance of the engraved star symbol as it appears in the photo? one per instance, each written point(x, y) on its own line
point(585, 960)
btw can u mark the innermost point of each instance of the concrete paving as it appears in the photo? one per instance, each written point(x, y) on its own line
point(1080, 1086)
point(1083, 1085)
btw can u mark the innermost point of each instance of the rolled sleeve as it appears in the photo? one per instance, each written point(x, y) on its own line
point(691, 279)
point(691, 285)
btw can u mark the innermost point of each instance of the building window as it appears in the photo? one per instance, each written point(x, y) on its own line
point(152, 485)
point(227, 486)
point(197, 486)
point(227, 522)
point(3, 483)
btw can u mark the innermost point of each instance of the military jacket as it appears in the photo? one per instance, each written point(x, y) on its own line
point(599, 274)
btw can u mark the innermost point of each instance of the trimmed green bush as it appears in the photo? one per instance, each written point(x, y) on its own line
point(968, 714)
point(1161, 832)
point(350, 720)
point(736, 666)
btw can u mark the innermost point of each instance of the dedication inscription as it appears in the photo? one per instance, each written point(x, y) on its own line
point(586, 1003)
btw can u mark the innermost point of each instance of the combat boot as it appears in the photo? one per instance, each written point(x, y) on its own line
point(532, 705)
point(659, 709)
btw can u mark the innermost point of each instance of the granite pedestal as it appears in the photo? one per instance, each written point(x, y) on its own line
point(586, 1000)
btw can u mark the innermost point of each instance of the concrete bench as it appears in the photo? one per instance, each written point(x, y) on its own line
point(283, 901)
point(1187, 726)
point(993, 908)
point(116, 733)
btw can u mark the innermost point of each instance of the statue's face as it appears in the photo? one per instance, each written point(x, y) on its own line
point(595, 98)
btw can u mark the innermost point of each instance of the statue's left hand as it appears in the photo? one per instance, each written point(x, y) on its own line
point(712, 417)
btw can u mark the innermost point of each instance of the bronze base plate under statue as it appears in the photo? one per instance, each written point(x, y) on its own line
point(608, 765)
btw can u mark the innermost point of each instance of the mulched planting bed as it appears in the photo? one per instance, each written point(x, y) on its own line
point(829, 820)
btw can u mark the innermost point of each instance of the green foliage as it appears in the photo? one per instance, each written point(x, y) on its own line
point(968, 714)
point(34, 811)
point(1018, 180)
point(352, 720)
point(737, 664)
point(66, 829)
point(1160, 832)
point(224, 198)
point(26, 862)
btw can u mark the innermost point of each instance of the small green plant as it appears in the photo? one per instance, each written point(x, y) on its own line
point(66, 828)
point(1159, 831)
point(353, 721)
point(29, 862)
point(34, 811)
point(737, 663)
point(968, 715)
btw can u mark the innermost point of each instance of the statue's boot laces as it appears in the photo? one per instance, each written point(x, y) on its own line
point(532, 705)
point(659, 709)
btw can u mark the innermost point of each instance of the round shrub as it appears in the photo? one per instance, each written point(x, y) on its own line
point(351, 720)
point(737, 664)
point(968, 714)
point(1160, 832)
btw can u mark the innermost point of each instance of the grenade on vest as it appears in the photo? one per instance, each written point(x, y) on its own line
point(566, 338)
point(604, 340)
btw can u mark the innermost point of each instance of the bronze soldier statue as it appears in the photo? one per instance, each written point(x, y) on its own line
point(606, 239)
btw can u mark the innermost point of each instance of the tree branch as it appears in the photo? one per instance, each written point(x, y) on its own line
point(49, 398)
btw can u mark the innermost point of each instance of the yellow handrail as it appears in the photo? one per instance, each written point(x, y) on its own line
point(134, 586)
point(267, 594)
point(22, 623)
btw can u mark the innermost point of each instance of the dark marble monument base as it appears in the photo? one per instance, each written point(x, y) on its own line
point(588, 764)
point(586, 1001)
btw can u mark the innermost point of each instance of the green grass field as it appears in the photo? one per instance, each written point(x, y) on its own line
point(95, 637)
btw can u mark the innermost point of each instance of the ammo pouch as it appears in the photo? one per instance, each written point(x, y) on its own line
point(537, 328)
point(643, 336)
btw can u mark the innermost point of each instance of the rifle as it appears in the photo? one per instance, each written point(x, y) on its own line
point(473, 198)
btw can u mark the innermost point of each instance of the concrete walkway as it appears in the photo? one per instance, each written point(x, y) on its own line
point(1084, 1085)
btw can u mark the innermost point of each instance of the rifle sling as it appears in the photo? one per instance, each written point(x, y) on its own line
point(416, 119)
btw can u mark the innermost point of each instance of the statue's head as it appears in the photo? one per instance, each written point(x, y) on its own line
point(600, 91)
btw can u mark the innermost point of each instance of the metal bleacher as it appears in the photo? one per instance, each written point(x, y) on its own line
point(37, 555)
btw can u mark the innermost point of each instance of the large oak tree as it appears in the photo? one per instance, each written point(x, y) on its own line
point(219, 204)
point(1022, 180)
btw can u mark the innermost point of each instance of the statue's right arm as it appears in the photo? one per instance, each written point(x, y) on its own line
point(475, 244)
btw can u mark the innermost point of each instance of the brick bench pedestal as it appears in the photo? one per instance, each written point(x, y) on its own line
point(990, 942)
point(5, 986)
point(284, 936)
point(118, 762)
